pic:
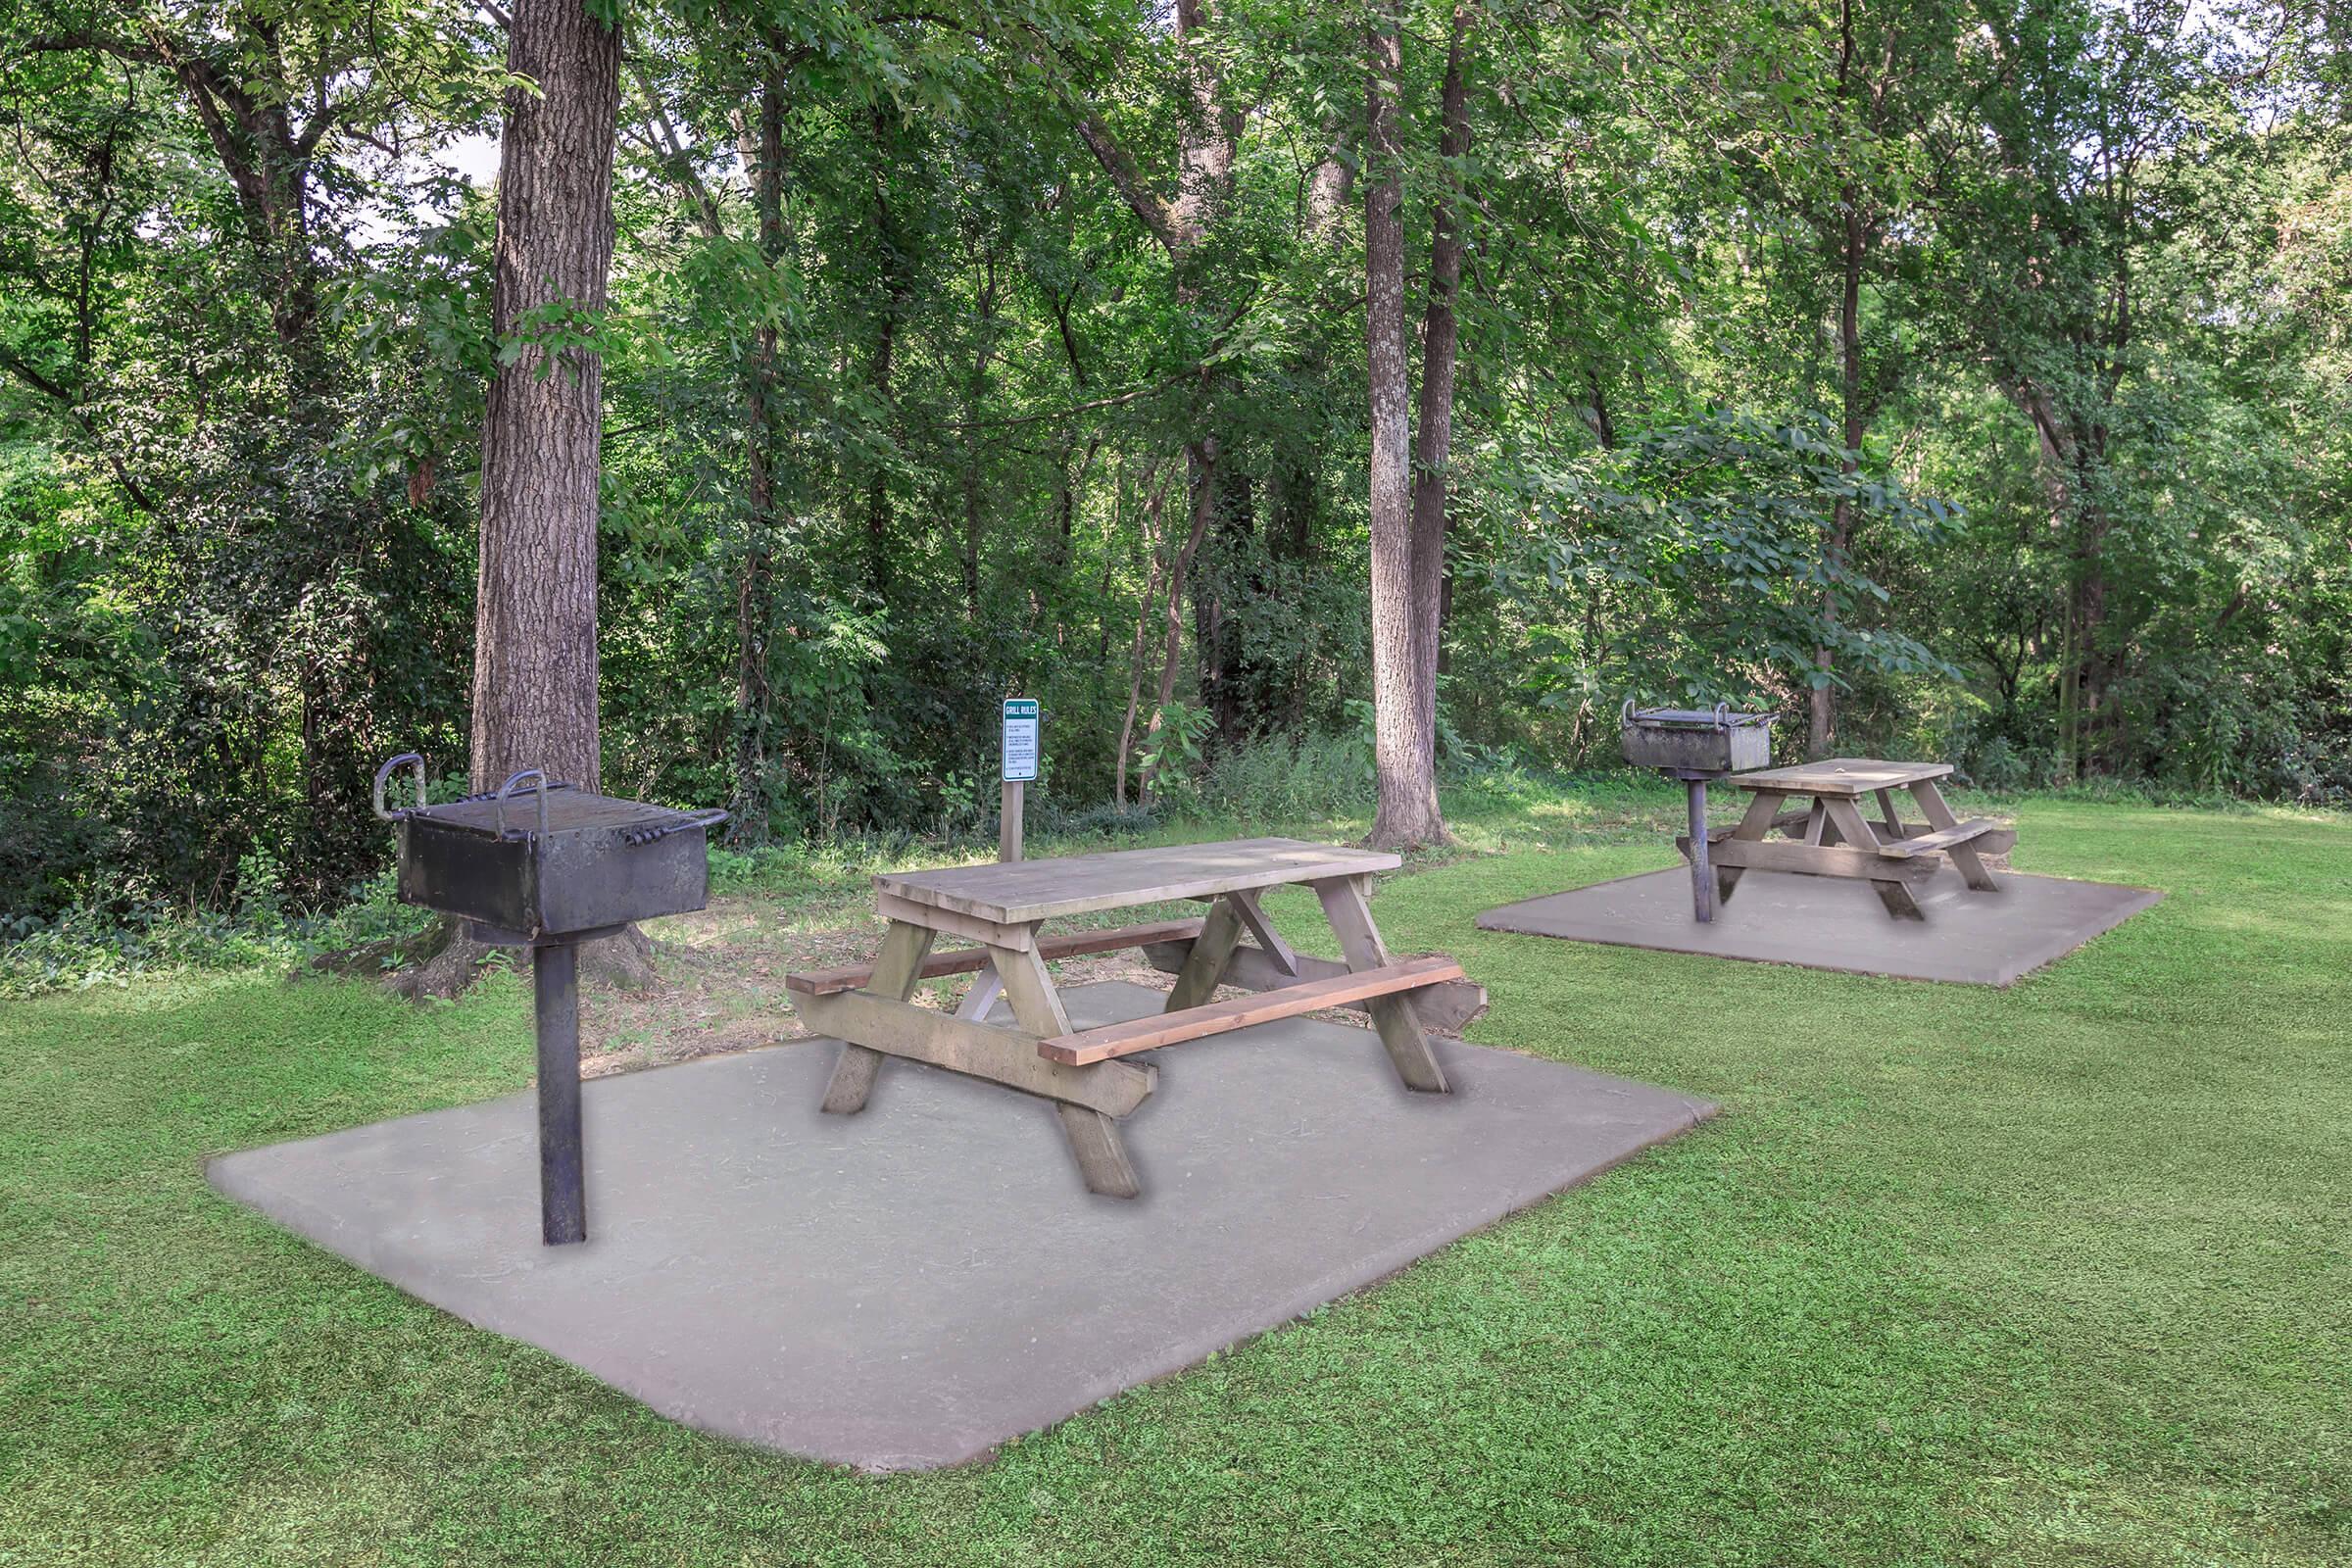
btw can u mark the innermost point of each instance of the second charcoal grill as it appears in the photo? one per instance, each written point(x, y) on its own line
point(1694, 745)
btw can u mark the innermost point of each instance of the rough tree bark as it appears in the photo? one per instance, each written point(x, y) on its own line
point(892, 294)
point(1432, 435)
point(1408, 811)
point(535, 652)
point(755, 581)
point(1172, 640)
point(1208, 144)
point(1855, 248)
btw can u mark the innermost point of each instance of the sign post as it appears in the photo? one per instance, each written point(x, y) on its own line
point(1019, 753)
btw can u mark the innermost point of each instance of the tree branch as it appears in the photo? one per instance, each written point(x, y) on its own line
point(1158, 213)
point(62, 396)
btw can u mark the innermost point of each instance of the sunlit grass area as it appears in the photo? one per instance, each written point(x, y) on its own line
point(2056, 1274)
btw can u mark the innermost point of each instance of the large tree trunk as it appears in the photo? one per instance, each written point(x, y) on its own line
point(1156, 562)
point(976, 397)
point(754, 589)
point(1408, 811)
point(1853, 252)
point(1208, 144)
point(535, 654)
point(1433, 436)
point(535, 657)
point(1172, 638)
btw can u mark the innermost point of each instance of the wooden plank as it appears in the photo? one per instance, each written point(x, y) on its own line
point(1999, 840)
point(1198, 981)
point(1942, 838)
point(965, 960)
point(955, 923)
point(1102, 1153)
point(1254, 915)
point(1399, 1024)
point(1081, 884)
point(896, 968)
point(1029, 991)
point(1888, 817)
point(1807, 859)
point(981, 995)
point(1007, 1057)
point(1763, 811)
point(1932, 805)
point(1791, 822)
point(1091, 1135)
point(1847, 817)
point(1240, 1013)
point(1847, 777)
point(1448, 1006)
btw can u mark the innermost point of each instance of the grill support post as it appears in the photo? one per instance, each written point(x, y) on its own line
point(1703, 880)
point(562, 1186)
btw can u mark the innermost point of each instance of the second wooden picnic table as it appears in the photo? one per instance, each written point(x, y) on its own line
point(1833, 838)
point(1083, 1072)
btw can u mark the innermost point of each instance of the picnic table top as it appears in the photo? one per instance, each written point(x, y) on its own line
point(1849, 776)
point(1117, 879)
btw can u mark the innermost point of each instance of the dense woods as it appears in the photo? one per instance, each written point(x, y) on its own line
point(1965, 378)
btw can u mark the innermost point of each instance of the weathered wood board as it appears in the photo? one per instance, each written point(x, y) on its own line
point(1082, 884)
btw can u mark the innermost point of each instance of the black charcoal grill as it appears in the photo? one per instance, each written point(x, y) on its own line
point(1694, 745)
point(547, 865)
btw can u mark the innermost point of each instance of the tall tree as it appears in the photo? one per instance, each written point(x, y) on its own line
point(1405, 769)
point(535, 659)
point(535, 651)
point(1440, 340)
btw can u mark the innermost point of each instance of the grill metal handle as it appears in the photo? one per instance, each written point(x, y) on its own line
point(708, 819)
point(383, 775)
point(498, 801)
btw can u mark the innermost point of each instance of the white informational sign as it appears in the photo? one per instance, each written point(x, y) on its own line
point(1020, 740)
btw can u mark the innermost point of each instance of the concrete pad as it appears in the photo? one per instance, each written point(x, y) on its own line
point(909, 1286)
point(1831, 923)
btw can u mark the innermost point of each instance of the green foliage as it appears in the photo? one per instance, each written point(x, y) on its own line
point(917, 423)
point(109, 942)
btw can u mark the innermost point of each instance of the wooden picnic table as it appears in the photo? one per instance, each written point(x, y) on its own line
point(1083, 1072)
point(1833, 838)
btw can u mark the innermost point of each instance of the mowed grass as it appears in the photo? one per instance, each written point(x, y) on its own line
point(2052, 1275)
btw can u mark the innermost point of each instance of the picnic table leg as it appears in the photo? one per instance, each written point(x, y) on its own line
point(1892, 819)
point(1094, 1137)
point(1254, 915)
point(1198, 980)
point(1399, 1024)
point(980, 996)
point(1762, 806)
point(1848, 818)
point(1964, 856)
point(900, 964)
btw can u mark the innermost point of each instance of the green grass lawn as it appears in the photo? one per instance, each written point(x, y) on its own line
point(2052, 1275)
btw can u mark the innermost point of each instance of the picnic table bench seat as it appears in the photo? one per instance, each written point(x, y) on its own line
point(1943, 838)
point(1238, 1012)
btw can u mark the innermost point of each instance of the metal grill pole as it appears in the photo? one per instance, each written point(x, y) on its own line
point(562, 1190)
point(1703, 880)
